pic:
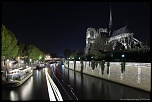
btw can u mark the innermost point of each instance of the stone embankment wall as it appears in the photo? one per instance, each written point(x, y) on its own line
point(137, 75)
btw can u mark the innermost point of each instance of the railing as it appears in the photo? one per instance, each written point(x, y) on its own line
point(52, 89)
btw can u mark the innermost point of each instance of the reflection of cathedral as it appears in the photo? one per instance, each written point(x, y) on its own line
point(122, 36)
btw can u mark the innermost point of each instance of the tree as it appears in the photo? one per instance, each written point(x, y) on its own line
point(53, 55)
point(9, 43)
point(100, 55)
point(67, 53)
point(119, 47)
point(34, 53)
point(21, 51)
point(98, 45)
point(78, 54)
point(109, 46)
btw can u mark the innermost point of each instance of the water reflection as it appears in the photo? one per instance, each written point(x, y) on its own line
point(26, 92)
point(13, 96)
point(90, 88)
point(34, 88)
point(22, 92)
point(84, 87)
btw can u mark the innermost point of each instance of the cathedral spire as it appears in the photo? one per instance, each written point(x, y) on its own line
point(110, 21)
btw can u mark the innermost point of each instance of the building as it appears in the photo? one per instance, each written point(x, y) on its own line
point(91, 35)
point(123, 36)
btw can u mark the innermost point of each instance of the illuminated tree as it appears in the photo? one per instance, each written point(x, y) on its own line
point(98, 47)
point(9, 43)
point(21, 51)
point(34, 53)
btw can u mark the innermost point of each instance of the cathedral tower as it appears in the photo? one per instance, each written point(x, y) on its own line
point(110, 22)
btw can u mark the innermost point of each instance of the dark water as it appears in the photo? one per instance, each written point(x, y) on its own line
point(76, 86)
point(86, 87)
point(35, 88)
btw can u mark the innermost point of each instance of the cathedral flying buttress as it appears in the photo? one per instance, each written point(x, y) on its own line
point(122, 36)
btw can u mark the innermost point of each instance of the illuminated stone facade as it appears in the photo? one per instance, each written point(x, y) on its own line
point(137, 75)
point(123, 36)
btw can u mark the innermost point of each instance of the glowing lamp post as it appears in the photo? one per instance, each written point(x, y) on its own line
point(7, 63)
point(30, 61)
point(18, 61)
point(122, 56)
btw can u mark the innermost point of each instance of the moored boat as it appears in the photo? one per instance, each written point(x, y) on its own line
point(17, 77)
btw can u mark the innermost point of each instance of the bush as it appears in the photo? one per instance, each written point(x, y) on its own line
point(102, 66)
point(122, 66)
point(108, 64)
point(93, 64)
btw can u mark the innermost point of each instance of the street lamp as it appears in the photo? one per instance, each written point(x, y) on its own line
point(30, 61)
point(79, 58)
point(7, 63)
point(18, 61)
point(122, 56)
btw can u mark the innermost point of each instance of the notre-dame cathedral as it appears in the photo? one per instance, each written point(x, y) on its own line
point(123, 35)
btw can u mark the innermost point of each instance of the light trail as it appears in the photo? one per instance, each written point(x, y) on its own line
point(61, 85)
point(51, 94)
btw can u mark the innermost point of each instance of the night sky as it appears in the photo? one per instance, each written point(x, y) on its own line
point(55, 26)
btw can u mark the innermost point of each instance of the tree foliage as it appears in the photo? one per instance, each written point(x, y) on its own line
point(79, 53)
point(22, 50)
point(110, 46)
point(9, 43)
point(34, 53)
point(67, 53)
point(119, 47)
point(53, 55)
point(98, 45)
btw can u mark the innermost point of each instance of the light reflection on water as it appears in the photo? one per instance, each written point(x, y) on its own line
point(91, 88)
point(33, 89)
point(26, 92)
point(13, 96)
point(84, 87)
point(23, 94)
